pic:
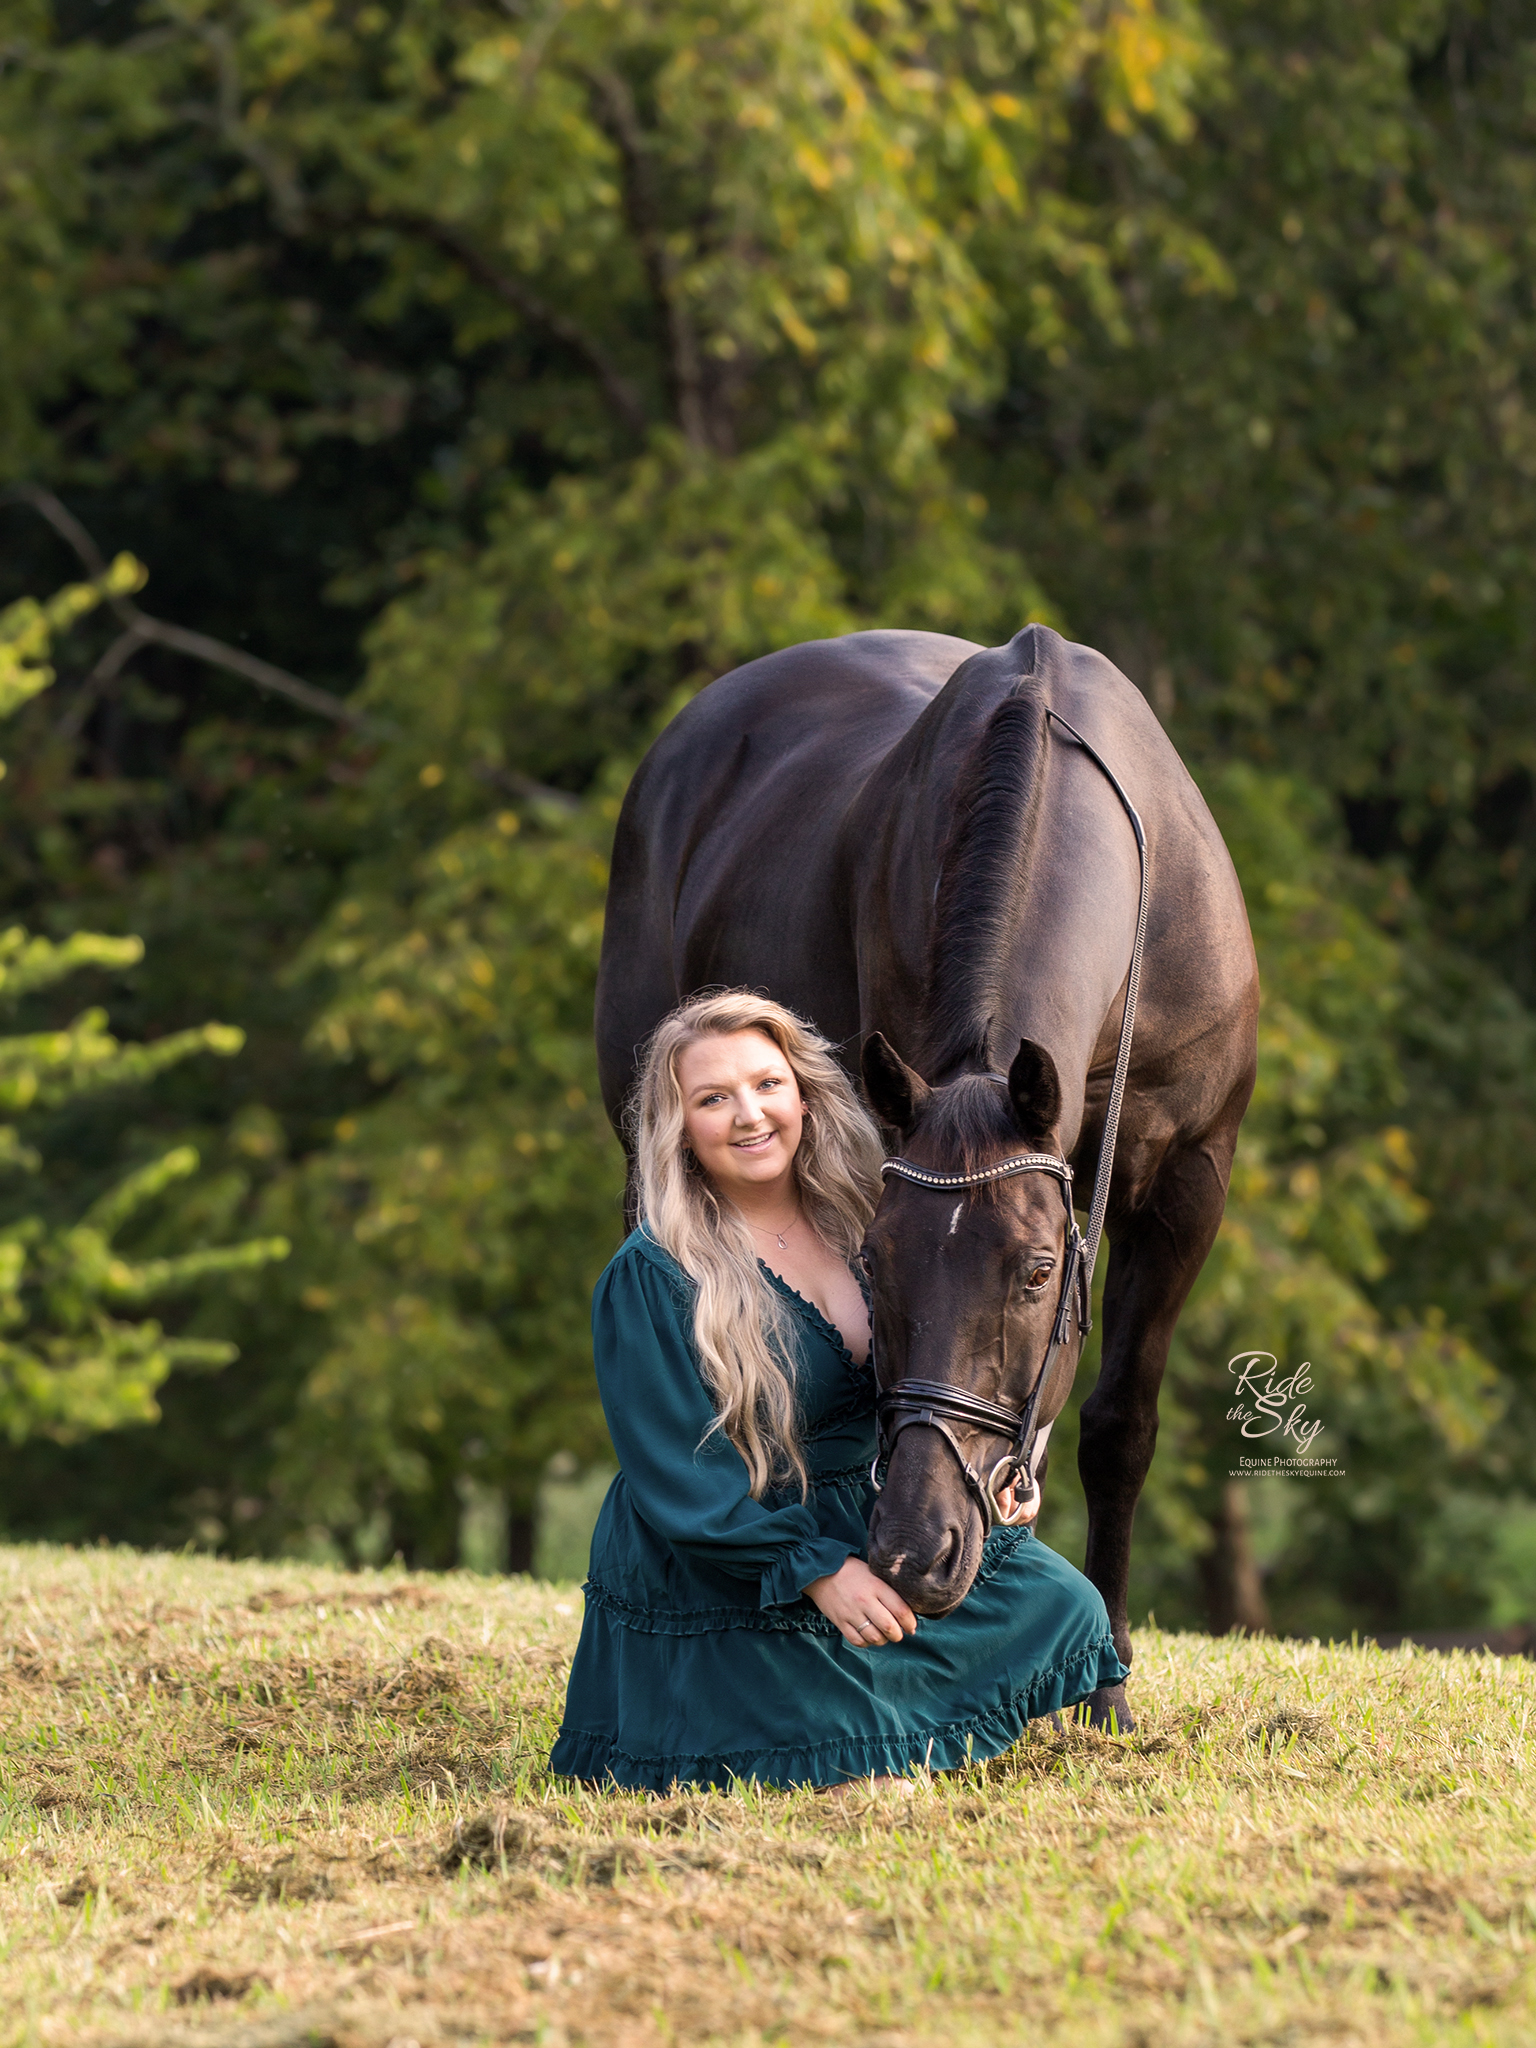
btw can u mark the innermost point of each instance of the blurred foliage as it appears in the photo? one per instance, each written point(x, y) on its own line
point(511, 370)
point(1296, 504)
point(457, 1218)
point(28, 630)
point(70, 1361)
point(1327, 1199)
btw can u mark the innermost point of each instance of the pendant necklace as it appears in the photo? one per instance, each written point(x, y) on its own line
point(781, 1237)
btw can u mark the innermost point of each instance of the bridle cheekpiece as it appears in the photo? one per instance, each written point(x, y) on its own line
point(935, 1405)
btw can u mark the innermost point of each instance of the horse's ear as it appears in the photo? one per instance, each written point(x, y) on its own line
point(896, 1093)
point(1034, 1091)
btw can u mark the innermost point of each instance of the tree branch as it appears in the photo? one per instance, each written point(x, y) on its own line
point(617, 111)
point(142, 629)
point(64, 524)
point(101, 677)
point(225, 119)
point(264, 674)
point(295, 212)
point(513, 292)
point(531, 792)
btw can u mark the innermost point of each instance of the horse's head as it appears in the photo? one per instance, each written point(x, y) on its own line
point(967, 1282)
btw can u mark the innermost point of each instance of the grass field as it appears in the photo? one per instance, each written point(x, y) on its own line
point(258, 1806)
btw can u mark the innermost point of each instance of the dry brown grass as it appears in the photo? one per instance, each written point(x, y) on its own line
point(258, 1807)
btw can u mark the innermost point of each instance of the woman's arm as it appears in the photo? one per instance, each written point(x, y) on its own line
point(689, 1484)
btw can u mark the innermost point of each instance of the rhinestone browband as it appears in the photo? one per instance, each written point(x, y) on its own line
point(1030, 1162)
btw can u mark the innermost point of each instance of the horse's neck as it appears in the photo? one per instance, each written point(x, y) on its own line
point(1035, 908)
point(1065, 971)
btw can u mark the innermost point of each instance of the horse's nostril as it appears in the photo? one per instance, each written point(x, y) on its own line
point(954, 1554)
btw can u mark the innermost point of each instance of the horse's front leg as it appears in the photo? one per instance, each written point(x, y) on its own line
point(1157, 1252)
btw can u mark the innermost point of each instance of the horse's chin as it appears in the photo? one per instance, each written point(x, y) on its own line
point(931, 1570)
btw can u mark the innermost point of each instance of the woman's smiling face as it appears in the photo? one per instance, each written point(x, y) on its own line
point(742, 1109)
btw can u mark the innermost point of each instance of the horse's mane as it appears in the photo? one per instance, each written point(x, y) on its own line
point(981, 875)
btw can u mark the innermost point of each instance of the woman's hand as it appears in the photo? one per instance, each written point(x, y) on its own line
point(867, 1611)
point(1008, 1500)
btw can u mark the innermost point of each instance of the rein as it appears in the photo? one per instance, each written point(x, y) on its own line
point(935, 1405)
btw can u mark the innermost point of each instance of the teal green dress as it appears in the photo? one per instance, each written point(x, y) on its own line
point(701, 1660)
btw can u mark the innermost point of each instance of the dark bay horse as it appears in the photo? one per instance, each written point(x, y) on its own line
point(887, 833)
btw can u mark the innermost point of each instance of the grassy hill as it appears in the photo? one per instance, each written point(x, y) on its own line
point(260, 1806)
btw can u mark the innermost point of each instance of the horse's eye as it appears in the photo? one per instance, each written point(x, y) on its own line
point(866, 1261)
point(1037, 1278)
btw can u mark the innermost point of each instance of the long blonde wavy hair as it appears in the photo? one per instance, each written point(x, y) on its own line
point(740, 1324)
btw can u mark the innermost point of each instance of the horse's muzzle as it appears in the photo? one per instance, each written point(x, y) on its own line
point(930, 1558)
point(933, 1577)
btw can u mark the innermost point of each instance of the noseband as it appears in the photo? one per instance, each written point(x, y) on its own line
point(937, 1406)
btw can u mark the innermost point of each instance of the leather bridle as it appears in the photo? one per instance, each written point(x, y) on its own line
point(935, 1405)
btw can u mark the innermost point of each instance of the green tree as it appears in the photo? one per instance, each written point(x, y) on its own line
point(504, 374)
point(71, 1360)
point(460, 1216)
point(704, 285)
point(1287, 483)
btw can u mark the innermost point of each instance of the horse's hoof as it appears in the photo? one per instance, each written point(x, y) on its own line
point(1108, 1710)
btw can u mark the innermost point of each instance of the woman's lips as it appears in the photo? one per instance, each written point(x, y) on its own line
point(752, 1144)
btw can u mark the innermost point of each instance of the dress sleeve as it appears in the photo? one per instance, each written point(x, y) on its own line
point(689, 1485)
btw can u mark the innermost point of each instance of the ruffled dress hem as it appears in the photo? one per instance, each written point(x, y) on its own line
point(598, 1759)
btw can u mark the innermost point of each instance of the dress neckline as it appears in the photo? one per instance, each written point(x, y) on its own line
point(813, 1314)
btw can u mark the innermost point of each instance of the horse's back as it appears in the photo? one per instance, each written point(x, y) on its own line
point(787, 791)
point(726, 847)
point(840, 702)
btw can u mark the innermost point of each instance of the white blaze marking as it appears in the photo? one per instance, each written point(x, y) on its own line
point(955, 1218)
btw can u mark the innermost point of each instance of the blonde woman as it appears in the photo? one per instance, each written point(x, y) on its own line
point(732, 1628)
